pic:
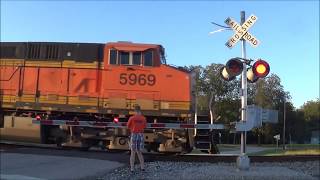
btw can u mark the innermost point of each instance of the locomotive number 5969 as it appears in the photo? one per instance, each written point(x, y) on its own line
point(140, 79)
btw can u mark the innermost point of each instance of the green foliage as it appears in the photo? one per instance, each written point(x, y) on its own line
point(296, 126)
point(269, 92)
point(311, 110)
point(213, 83)
point(228, 109)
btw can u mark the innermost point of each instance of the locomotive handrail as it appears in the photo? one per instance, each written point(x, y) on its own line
point(100, 124)
point(17, 68)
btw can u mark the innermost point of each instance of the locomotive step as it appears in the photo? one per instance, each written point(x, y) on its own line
point(202, 138)
point(202, 145)
point(203, 122)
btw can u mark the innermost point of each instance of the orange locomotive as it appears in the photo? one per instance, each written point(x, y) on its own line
point(98, 82)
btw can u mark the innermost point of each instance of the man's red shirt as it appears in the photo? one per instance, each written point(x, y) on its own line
point(137, 123)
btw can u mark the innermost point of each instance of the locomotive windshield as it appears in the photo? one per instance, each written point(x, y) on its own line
point(139, 58)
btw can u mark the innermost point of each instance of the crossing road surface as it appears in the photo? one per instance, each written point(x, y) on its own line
point(36, 164)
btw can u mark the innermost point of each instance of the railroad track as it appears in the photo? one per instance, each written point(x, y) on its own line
point(232, 158)
point(150, 157)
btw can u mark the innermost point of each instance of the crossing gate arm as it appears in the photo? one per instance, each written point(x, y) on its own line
point(97, 124)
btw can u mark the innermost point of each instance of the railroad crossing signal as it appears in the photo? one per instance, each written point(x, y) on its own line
point(241, 31)
point(234, 67)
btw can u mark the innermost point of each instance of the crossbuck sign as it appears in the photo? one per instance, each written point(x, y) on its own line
point(242, 31)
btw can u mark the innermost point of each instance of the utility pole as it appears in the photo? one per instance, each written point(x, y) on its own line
point(284, 125)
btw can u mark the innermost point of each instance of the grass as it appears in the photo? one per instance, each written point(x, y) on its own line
point(272, 150)
point(281, 152)
point(313, 146)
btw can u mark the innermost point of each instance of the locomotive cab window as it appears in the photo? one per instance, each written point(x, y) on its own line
point(124, 58)
point(113, 56)
point(136, 58)
point(148, 58)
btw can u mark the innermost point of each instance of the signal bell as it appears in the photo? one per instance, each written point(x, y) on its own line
point(232, 69)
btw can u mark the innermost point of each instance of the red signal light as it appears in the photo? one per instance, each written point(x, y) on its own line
point(115, 119)
point(38, 118)
point(234, 67)
point(261, 68)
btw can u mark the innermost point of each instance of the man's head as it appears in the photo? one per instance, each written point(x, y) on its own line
point(137, 109)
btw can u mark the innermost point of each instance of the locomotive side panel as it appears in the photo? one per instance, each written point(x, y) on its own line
point(57, 74)
point(83, 87)
point(11, 61)
point(134, 74)
point(52, 86)
point(175, 89)
point(9, 76)
point(29, 84)
point(129, 86)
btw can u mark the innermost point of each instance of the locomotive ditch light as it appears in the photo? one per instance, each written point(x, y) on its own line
point(232, 69)
point(115, 119)
point(38, 118)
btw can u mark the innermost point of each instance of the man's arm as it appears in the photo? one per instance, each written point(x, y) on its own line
point(129, 124)
point(145, 123)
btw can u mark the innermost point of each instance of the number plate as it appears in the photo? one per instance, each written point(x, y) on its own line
point(137, 79)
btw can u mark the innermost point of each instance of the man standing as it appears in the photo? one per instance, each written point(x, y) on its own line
point(136, 124)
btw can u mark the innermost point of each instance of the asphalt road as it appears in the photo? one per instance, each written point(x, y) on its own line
point(33, 163)
point(43, 163)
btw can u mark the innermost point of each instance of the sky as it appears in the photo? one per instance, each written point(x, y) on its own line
point(288, 31)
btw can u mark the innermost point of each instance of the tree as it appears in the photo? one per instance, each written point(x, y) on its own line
point(311, 110)
point(270, 92)
point(311, 113)
point(216, 89)
point(296, 126)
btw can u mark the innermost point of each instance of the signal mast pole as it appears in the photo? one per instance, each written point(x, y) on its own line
point(243, 89)
point(243, 161)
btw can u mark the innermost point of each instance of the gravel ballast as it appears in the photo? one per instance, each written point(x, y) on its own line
point(188, 170)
